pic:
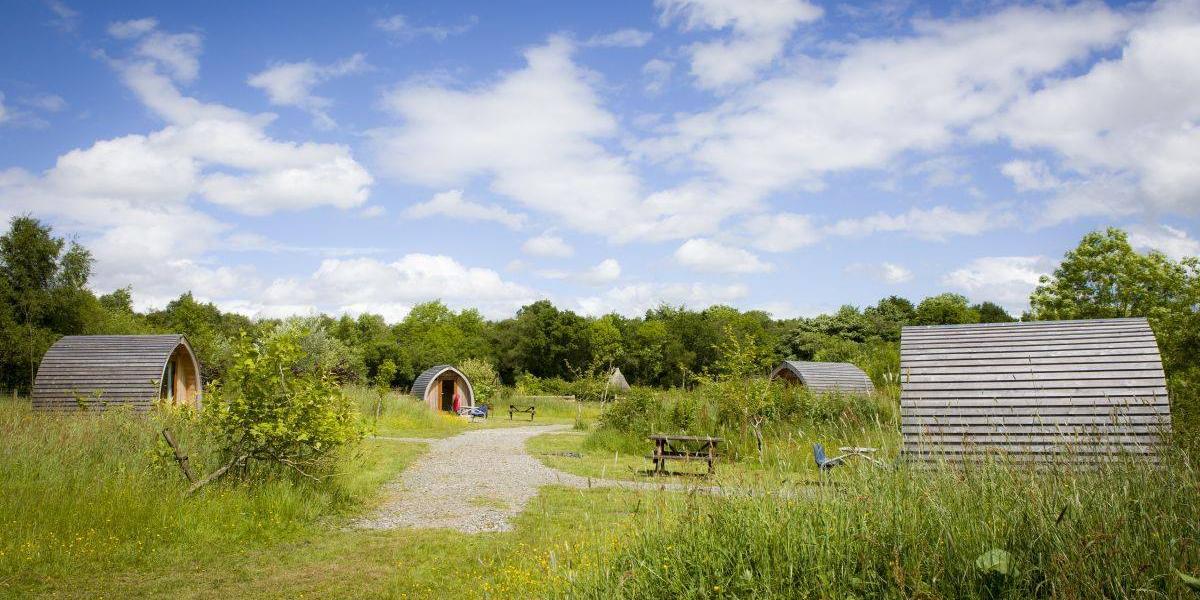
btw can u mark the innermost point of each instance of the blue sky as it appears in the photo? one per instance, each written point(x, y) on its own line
point(780, 154)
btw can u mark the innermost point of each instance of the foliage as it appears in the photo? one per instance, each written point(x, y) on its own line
point(1104, 277)
point(484, 380)
point(276, 404)
point(320, 351)
point(997, 530)
point(945, 309)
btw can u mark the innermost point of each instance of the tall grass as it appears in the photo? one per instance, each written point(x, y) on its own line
point(100, 491)
point(1119, 531)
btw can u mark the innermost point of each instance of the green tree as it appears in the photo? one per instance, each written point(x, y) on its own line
point(1104, 277)
point(945, 309)
point(990, 312)
point(45, 290)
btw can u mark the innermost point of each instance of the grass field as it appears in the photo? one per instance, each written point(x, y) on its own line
point(402, 415)
point(92, 507)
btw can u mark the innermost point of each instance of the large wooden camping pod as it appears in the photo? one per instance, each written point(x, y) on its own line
point(437, 386)
point(824, 376)
point(1035, 391)
point(99, 371)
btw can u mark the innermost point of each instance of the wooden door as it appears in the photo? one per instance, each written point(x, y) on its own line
point(448, 394)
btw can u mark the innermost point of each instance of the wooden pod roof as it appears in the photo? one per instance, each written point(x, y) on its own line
point(617, 381)
point(421, 384)
point(827, 376)
point(1041, 390)
point(96, 370)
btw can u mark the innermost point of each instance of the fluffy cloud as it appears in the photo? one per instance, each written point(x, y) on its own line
point(132, 29)
point(291, 84)
point(134, 198)
point(936, 223)
point(622, 38)
point(1029, 175)
point(401, 30)
point(451, 204)
point(536, 132)
point(782, 232)
point(1006, 280)
point(635, 299)
point(547, 245)
point(885, 271)
point(1129, 122)
point(703, 254)
point(863, 107)
point(657, 73)
point(1171, 241)
point(759, 31)
point(608, 271)
point(3, 110)
point(355, 285)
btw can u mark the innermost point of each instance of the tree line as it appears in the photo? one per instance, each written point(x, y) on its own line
point(44, 295)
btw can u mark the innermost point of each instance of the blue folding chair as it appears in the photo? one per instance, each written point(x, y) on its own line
point(480, 411)
point(825, 463)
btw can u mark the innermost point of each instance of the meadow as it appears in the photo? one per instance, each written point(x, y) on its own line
point(93, 506)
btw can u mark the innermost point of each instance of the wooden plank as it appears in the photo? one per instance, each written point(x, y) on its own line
point(1023, 428)
point(1107, 364)
point(1006, 376)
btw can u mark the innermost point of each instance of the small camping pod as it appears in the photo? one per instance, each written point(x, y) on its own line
point(1036, 391)
point(824, 376)
point(438, 385)
point(617, 382)
point(98, 371)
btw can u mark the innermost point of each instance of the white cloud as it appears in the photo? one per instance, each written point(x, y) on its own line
point(367, 284)
point(45, 102)
point(657, 73)
point(178, 53)
point(398, 27)
point(936, 223)
point(291, 84)
point(635, 299)
point(885, 271)
point(782, 232)
point(65, 17)
point(608, 271)
point(760, 30)
point(451, 204)
point(1006, 280)
point(869, 102)
point(1129, 121)
point(536, 132)
point(621, 38)
point(133, 28)
point(3, 110)
point(1172, 241)
point(132, 199)
point(703, 254)
point(547, 245)
point(1029, 175)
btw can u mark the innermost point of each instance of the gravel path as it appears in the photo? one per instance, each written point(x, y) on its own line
point(476, 481)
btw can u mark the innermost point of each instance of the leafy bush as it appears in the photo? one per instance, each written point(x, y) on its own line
point(277, 405)
point(638, 412)
point(484, 379)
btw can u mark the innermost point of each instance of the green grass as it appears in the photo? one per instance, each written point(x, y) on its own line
point(562, 533)
point(404, 416)
point(89, 494)
point(1116, 532)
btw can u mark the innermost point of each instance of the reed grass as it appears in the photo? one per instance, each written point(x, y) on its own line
point(1118, 531)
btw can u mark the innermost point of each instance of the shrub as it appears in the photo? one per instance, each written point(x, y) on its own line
point(278, 406)
point(484, 379)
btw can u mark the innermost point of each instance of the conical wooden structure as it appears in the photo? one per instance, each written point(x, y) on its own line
point(616, 381)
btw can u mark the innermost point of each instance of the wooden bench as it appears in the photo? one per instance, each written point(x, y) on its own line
point(683, 447)
point(532, 410)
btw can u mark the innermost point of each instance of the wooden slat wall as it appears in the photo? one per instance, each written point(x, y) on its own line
point(828, 376)
point(1035, 391)
point(122, 369)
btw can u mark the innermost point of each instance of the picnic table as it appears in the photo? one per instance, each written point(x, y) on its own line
point(683, 447)
point(531, 410)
